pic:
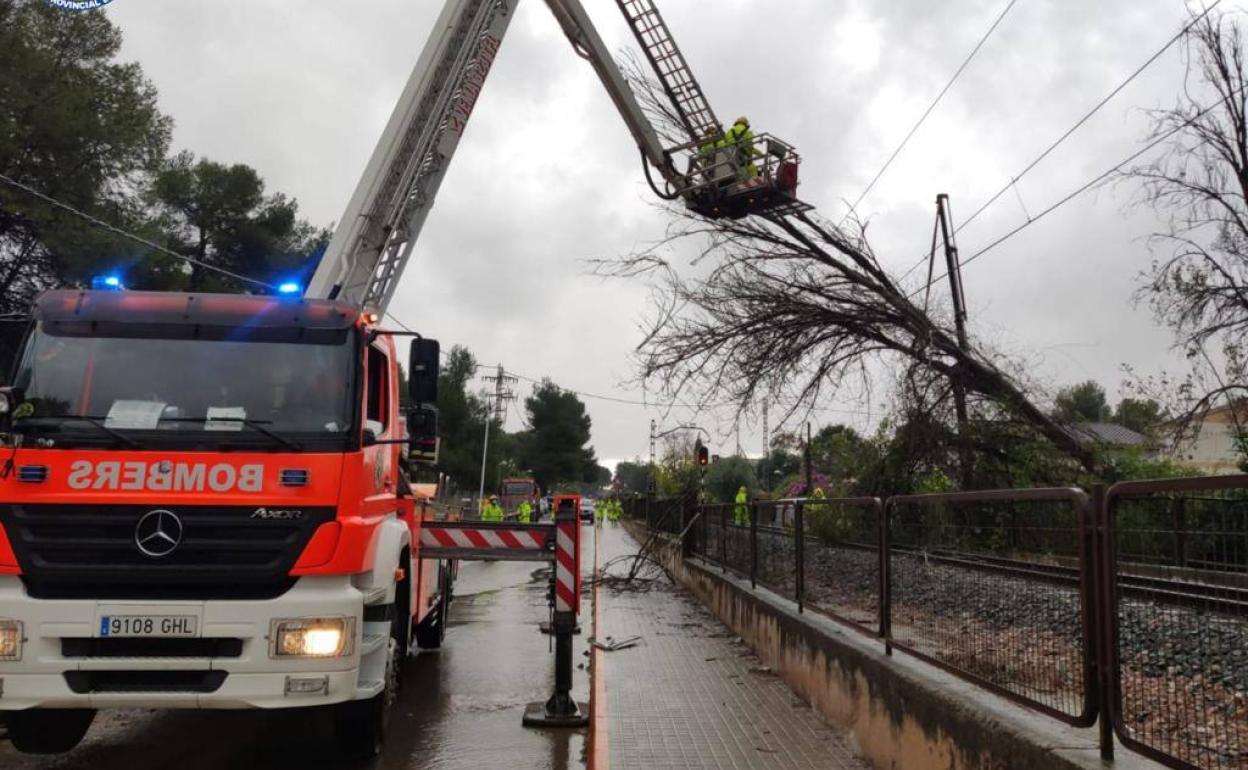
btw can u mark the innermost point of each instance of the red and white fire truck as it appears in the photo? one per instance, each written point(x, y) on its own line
point(205, 500)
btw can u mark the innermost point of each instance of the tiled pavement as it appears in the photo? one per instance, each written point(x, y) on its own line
point(691, 695)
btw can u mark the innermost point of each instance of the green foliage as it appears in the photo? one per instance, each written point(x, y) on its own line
point(461, 422)
point(777, 468)
point(1084, 402)
point(78, 126)
point(1140, 415)
point(602, 475)
point(559, 430)
point(219, 215)
point(632, 477)
point(677, 474)
point(1133, 464)
point(725, 477)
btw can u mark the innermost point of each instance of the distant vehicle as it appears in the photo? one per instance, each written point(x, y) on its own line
point(512, 492)
point(587, 509)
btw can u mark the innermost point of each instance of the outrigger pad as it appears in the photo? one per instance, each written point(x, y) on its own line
point(535, 715)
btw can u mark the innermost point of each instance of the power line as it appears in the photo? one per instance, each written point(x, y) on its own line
point(126, 234)
point(1082, 189)
point(931, 106)
point(1075, 127)
point(616, 399)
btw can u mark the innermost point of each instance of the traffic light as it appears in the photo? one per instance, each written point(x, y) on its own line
point(704, 455)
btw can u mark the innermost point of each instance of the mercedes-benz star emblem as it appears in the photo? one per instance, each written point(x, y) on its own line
point(158, 533)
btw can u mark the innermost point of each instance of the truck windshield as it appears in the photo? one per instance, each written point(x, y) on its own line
point(180, 391)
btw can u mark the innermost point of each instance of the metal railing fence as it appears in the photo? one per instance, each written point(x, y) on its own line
point(995, 587)
point(1127, 606)
point(1176, 567)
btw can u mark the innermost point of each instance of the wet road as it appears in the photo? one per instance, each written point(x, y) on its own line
point(460, 707)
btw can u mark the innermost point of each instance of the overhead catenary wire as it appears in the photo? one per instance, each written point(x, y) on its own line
point(1014, 180)
point(126, 234)
point(1081, 189)
point(617, 399)
point(922, 118)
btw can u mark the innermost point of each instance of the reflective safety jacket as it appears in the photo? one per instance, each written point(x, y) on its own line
point(740, 136)
point(741, 511)
point(524, 512)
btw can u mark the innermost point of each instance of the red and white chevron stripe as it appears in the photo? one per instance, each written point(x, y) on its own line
point(567, 567)
point(515, 540)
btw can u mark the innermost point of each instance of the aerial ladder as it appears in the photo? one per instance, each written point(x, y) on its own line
point(295, 533)
point(374, 240)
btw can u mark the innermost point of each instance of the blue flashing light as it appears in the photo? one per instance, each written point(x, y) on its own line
point(110, 282)
point(289, 288)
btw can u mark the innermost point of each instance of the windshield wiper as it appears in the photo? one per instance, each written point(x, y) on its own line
point(98, 422)
point(256, 425)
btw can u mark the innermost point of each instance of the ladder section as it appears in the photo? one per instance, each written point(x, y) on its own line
point(670, 65)
point(373, 243)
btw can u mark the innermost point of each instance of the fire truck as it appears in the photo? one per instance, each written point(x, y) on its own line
point(205, 500)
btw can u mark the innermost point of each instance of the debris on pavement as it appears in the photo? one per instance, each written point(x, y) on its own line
point(616, 645)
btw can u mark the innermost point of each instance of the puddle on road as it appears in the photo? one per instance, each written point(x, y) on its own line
point(461, 706)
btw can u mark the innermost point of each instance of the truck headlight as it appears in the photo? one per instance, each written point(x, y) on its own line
point(10, 639)
point(312, 637)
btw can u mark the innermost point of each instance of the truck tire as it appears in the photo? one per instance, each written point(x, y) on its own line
point(48, 731)
point(432, 629)
point(361, 725)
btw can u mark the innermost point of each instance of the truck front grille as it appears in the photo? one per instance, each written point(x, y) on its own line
point(89, 551)
point(83, 682)
point(136, 647)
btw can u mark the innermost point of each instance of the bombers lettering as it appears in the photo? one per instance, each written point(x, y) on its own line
point(164, 476)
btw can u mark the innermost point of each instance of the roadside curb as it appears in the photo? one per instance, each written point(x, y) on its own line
point(599, 729)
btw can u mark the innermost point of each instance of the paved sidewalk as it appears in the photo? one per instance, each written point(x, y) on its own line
point(690, 695)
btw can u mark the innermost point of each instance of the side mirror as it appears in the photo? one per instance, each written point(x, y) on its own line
point(422, 374)
point(422, 434)
point(10, 399)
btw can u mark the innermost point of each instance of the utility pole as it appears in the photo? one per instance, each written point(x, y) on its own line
point(953, 267)
point(502, 395)
point(763, 471)
point(652, 482)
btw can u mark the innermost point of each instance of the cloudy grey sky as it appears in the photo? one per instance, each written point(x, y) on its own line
point(547, 176)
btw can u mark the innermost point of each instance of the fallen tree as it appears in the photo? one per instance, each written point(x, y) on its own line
point(790, 308)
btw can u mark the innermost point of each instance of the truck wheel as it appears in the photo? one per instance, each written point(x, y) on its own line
point(432, 630)
point(48, 731)
point(361, 725)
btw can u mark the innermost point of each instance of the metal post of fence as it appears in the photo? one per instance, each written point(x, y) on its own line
point(1178, 510)
point(753, 545)
point(1103, 608)
point(886, 578)
point(799, 545)
point(723, 537)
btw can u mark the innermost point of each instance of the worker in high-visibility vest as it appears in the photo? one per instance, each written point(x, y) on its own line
point(740, 137)
point(741, 511)
point(524, 513)
point(712, 143)
point(614, 511)
point(815, 506)
point(491, 511)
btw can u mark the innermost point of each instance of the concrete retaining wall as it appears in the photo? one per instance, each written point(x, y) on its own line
point(903, 714)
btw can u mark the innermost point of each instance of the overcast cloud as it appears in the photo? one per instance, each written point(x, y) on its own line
point(547, 176)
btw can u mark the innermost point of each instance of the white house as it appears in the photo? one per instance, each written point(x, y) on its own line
point(1211, 448)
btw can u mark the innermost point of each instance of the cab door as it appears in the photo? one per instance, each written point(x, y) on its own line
point(379, 425)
